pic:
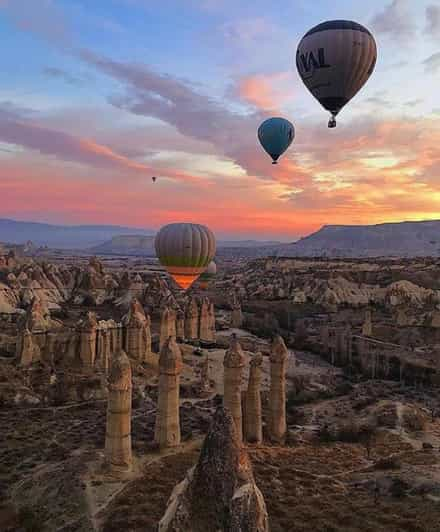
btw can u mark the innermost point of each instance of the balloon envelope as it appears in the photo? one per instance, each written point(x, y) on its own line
point(276, 135)
point(335, 60)
point(185, 250)
point(208, 275)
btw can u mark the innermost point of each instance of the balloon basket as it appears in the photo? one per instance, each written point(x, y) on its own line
point(332, 122)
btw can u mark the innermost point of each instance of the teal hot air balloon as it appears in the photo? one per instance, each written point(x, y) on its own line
point(276, 135)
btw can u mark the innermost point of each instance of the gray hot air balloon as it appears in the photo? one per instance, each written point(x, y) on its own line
point(335, 60)
point(185, 250)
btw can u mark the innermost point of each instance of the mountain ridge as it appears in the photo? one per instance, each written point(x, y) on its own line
point(61, 236)
point(400, 239)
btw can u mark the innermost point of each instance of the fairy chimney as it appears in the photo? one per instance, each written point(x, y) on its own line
point(277, 397)
point(233, 363)
point(253, 419)
point(167, 429)
point(118, 454)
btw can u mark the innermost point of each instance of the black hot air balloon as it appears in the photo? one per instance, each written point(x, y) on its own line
point(335, 60)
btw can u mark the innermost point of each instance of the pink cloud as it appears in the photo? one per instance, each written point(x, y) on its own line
point(266, 92)
point(66, 147)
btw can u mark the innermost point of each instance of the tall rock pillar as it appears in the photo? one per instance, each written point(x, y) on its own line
point(118, 455)
point(167, 429)
point(277, 397)
point(87, 329)
point(192, 320)
point(137, 332)
point(233, 366)
point(27, 350)
point(211, 314)
point(253, 419)
point(167, 325)
point(205, 333)
point(180, 325)
point(367, 326)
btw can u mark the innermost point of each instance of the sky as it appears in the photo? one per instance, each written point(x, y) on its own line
point(98, 97)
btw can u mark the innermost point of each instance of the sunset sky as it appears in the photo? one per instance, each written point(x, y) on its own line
point(97, 96)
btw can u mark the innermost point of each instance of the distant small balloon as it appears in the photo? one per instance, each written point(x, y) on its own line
point(334, 60)
point(276, 135)
point(154, 179)
point(208, 275)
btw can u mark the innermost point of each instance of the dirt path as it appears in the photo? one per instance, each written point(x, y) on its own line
point(99, 498)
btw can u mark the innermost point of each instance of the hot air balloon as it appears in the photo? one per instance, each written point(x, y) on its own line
point(154, 179)
point(185, 250)
point(208, 275)
point(335, 60)
point(276, 135)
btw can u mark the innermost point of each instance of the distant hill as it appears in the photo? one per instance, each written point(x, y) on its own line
point(247, 243)
point(144, 245)
point(127, 245)
point(107, 239)
point(403, 239)
point(62, 236)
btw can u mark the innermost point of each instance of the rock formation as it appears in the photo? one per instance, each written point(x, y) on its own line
point(118, 432)
point(50, 348)
point(206, 333)
point(367, 326)
point(324, 337)
point(158, 295)
point(91, 285)
point(167, 429)
point(253, 419)
point(129, 290)
point(205, 383)
point(180, 325)
point(116, 336)
point(192, 320)
point(167, 325)
point(103, 349)
point(137, 332)
point(219, 493)
point(37, 318)
point(87, 329)
point(211, 314)
point(234, 362)
point(236, 315)
point(27, 350)
point(277, 397)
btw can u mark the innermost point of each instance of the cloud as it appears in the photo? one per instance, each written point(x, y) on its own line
point(40, 17)
point(413, 103)
point(432, 63)
point(395, 21)
point(194, 115)
point(266, 92)
point(361, 173)
point(174, 102)
point(18, 130)
point(58, 73)
point(433, 20)
point(363, 167)
point(379, 99)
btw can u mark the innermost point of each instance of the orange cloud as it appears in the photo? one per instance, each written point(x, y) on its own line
point(266, 92)
point(365, 172)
